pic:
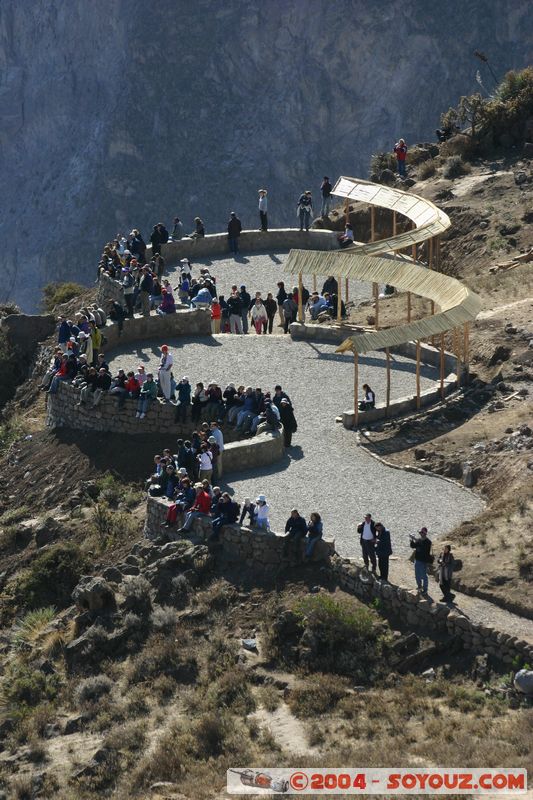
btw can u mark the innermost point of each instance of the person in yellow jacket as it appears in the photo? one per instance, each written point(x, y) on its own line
point(96, 339)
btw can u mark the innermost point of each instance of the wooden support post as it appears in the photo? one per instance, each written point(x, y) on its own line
point(372, 223)
point(442, 366)
point(375, 287)
point(394, 223)
point(387, 354)
point(346, 290)
point(417, 374)
point(437, 254)
point(300, 303)
point(408, 306)
point(432, 314)
point(339, 300)
point(347, 212)
point(457, 348)
point(356, 388)
point(314, 283)
point(430, 253)
point(466, 348)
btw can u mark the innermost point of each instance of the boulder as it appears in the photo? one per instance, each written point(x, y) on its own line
point(94, 595)
point(523, 681)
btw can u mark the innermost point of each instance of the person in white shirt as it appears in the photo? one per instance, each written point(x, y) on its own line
point(259, 315)
point(262, 511)
point(165, 372)
point(263, 208)
point(367, 538)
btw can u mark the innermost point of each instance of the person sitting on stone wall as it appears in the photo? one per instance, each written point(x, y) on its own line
point(54, 366)
point(118, 388)
point(117, 314)
point(315, 531)
point(88, 387)
point(132, 386)
point(103, 384)
point(140, 375)
point(295, 530)
point(234, 399)
point(199, 229)
point(247, 510)
point(317, 303)
point(66, 372)
point(202, 298)
point(100, 316)
point(347, 237)
point(227, 514)
point(262, 513)
point(201, 508)
point(248, 411)
point(369, 398)
point(167, 305)
point(147, 395)
point(215, 403)
point(199, 402)
point(177, 230)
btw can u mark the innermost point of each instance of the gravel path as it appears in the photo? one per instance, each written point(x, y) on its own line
point(260, 273)
point(325, 469)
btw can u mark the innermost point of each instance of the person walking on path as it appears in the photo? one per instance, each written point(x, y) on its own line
point(246, 301)
point(400, 151)
point(281, 296)
point(305, 210)
point(288, 420)
point(383, 550)
point(271, 308)
point(234, 231)
point(165, 372)
point(235, 313)
point(325, 189)
point(445, 562)
point(263, 208)
point(259, 316)
point(367, 538)
point(422, 557)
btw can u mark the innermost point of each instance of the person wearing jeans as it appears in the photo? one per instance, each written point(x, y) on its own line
point(147, 395)
point(367, 538)
point(325, 190)
point(314, 533)
point(201, 508)
point(422, 552)
point(305, 210)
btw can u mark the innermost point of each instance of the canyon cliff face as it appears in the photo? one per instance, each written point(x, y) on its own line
point(121, 113)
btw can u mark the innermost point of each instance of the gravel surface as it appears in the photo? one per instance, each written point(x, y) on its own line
point(260, 273)
point(325, 469)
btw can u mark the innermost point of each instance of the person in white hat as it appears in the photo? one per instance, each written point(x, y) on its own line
point(262, 511)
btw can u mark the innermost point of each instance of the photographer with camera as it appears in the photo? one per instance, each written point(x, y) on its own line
point(421, 557)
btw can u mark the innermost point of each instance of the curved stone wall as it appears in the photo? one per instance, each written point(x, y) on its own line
point(184, 322)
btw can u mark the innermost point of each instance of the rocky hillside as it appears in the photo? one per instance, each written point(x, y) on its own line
point(127, 113)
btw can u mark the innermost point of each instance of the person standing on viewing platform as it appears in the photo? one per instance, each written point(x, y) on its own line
point(367, 538)
point(325, 189)
point(246, 301)
point(383, 550)
point(271, 308)
point(165, 372)
point(263, 208)
point(234, 231)
point(422, 557)
point(400, 151)
point(305, 210)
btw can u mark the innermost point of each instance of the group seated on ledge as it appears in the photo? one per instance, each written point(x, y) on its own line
point(200, 500)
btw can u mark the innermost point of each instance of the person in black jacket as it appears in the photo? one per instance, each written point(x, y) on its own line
point(296, 531)
point(227, 511)
point(246, 301)
point(288, 421)
point(234, 303)
point(367, 538)
point(234, 231)
point(325, 190)
point(383, 550)
point(280, 299)
point(271, 307)
point(422, 547)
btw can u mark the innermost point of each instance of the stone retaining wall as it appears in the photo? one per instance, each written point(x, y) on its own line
point(186, 322)
point(62, 412)
point(250, 548)
point(216, 244)
point(335, 334)
point(418, 612)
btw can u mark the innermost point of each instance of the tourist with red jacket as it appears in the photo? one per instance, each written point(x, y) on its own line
point(201, 508)
point(400, 151)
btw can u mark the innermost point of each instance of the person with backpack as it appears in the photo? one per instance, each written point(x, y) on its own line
point(305, 210)
point(290, 310)
point(421, 556)
point(325, 190)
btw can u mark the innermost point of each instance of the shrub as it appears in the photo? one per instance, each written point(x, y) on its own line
point(91, 689)
point(55, 294)
point(162, 656)
point(14, 515)
point(25, 686)
point(426, 170)
point(164, 618)
point(231, 692)
point(381, 161)
point(221, 657)
point(53, 576)
point(180, 590)
point(319, 696)
point(454, 167)
point(136, 592)
point(29, 628)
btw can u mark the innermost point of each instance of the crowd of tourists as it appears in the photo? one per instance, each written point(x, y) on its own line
point(376, 549)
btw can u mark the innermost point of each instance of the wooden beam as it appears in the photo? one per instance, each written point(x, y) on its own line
point(375, 287)
point(356, 388)
point(442, 366)
point(339, 299)
point(408, 306)
point(346, 290)
point(387, 401)
point(394, 223)
point(417, 374)
point(300, 303)
point(314, 283)
point(457, 340)
point(430, 253)
point(432, 314)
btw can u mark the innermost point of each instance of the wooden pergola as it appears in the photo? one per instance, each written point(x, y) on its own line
point(381, 261)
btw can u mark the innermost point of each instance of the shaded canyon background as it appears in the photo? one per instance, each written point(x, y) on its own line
point(121, 113)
